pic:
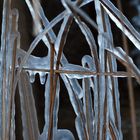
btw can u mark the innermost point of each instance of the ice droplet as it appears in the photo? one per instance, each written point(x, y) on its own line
point(32, 76)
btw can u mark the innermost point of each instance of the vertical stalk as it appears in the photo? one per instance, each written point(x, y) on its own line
point(130, 86)
point(4, 76)
point(52, 98)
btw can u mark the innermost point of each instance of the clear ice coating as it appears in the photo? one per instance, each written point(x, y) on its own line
point(75, 68)
point(63, 134)
point(126, 27)
point(94, 98)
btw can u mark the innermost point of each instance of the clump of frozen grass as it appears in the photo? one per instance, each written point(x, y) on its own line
point(95, 119)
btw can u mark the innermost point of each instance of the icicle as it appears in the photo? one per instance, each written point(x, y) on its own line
point(32, 76)
point(42, 76)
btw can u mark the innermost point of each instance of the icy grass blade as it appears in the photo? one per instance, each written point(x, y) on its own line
point(56, 108)
point(44, 19)
point(62, 35)
point(90, 62)
point(126, 60)
point(79, 128)
point(72, 96)
point(113, 131)
point(78, 109)
point(87, 105)
point(85, 2)
point(102, 86)
point(72, 67)
point(8, 37)
point(113, 86)
point(16, 35)
point(122, 22)
point(113, 112)
point(76, 87)
point(29, 115)
point(109, 105)
point(59, 133)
